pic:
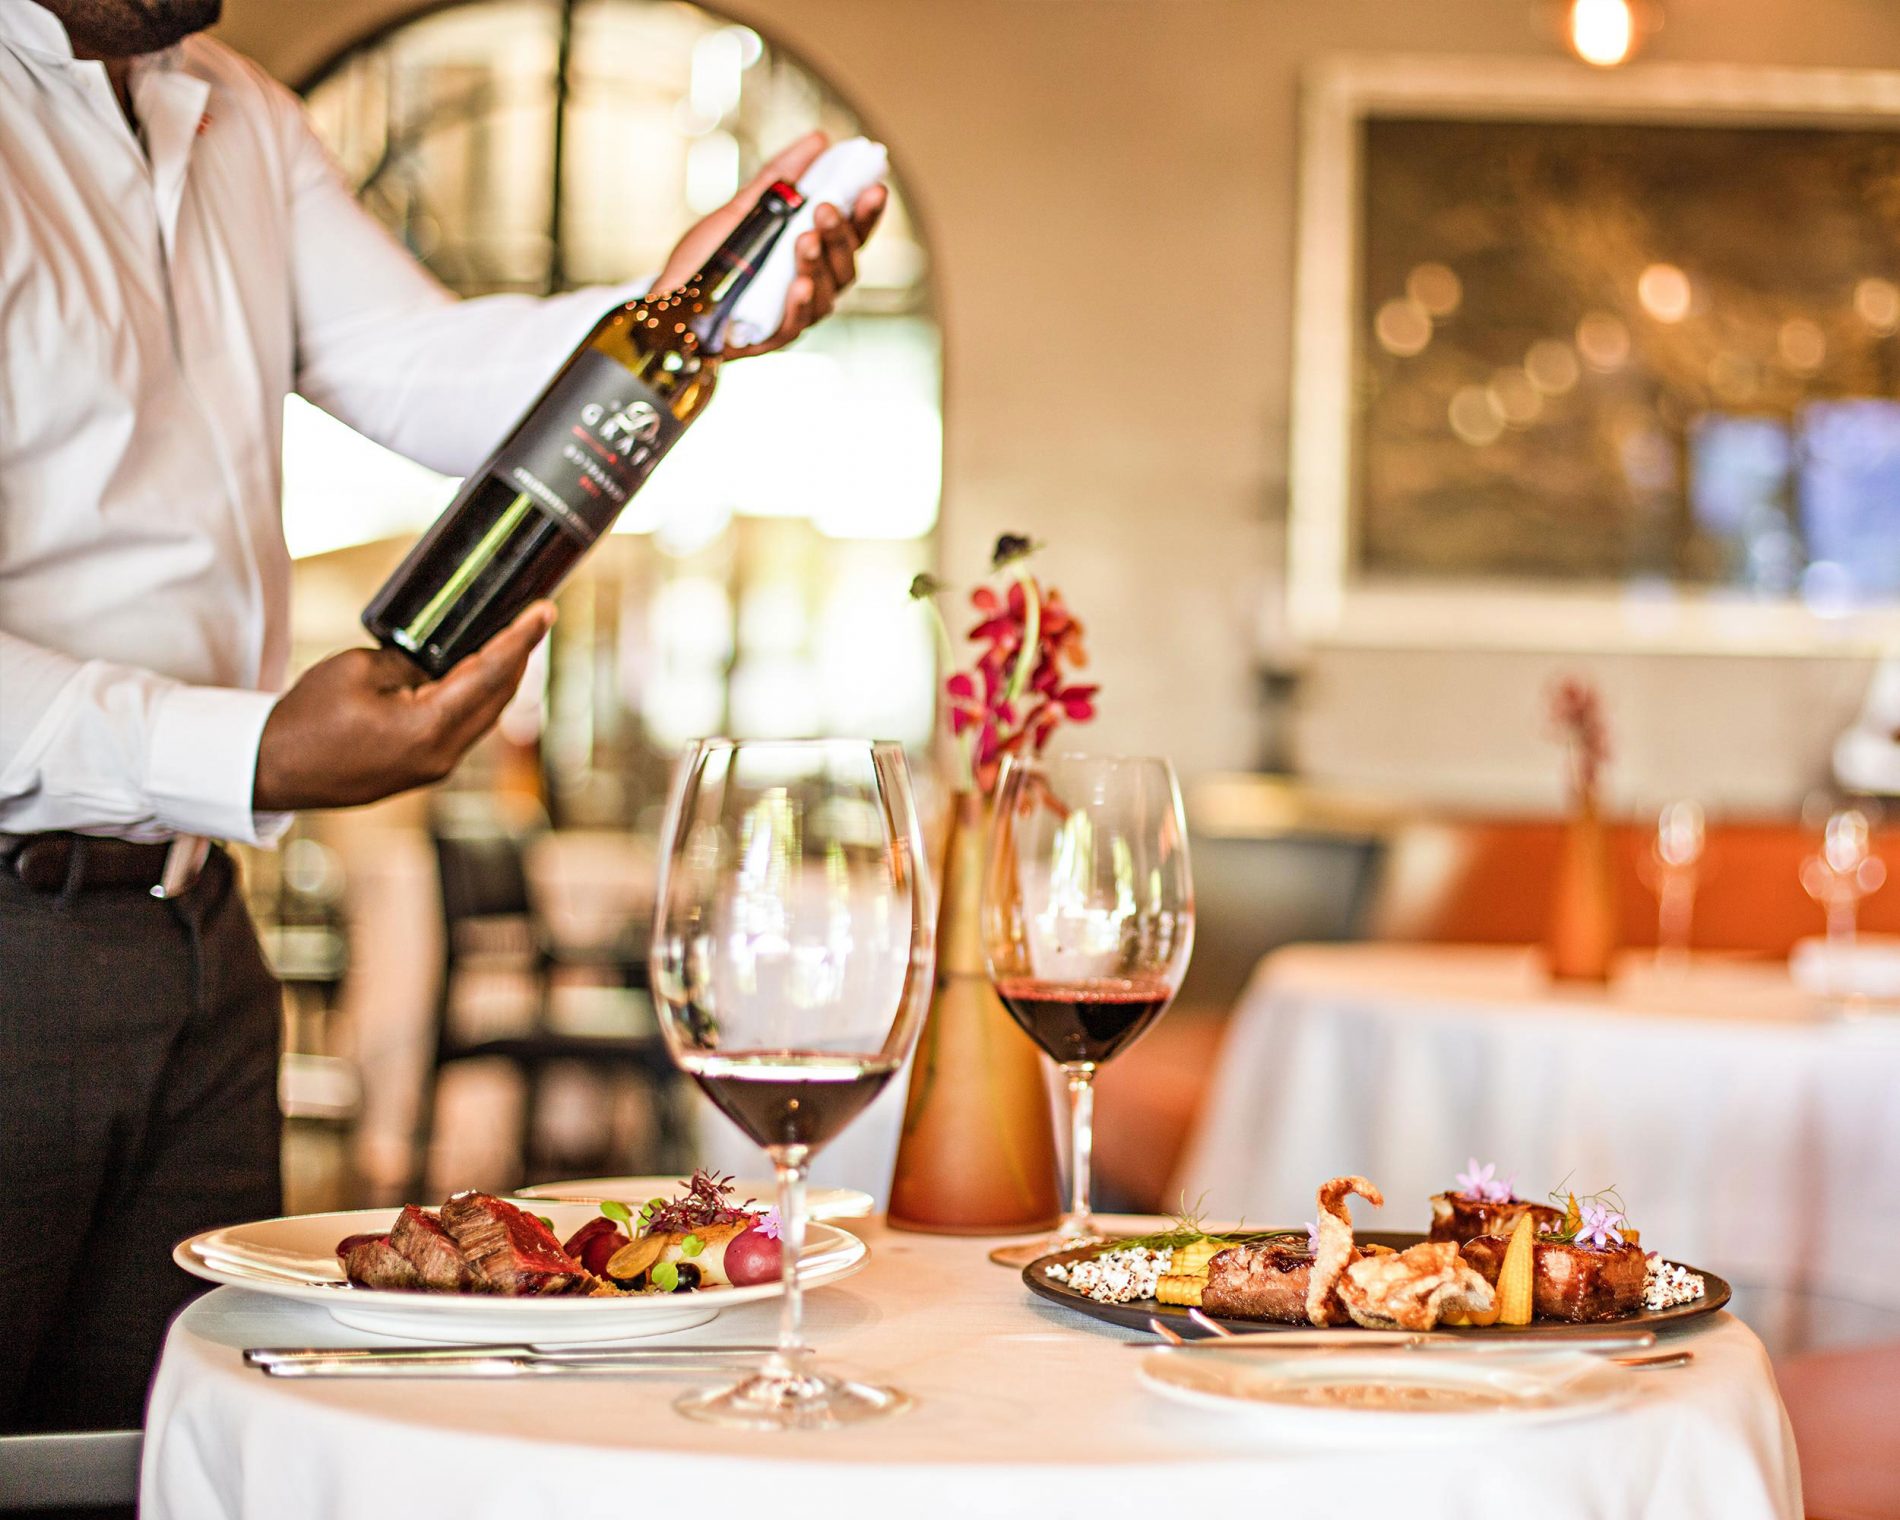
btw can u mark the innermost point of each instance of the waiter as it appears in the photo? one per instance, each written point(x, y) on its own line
point(177, 254)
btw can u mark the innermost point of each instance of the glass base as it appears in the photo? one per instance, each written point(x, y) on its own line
point(792, 1401)
point(1023, 1252)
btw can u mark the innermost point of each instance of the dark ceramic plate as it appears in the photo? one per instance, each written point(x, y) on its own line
point(1135, 1316)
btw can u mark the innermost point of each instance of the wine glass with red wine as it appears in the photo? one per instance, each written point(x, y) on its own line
point(1088, 921)
point(794, 943)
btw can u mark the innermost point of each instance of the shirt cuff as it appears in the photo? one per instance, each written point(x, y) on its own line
point(202, 767)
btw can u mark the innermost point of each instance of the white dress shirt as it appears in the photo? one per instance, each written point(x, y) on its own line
point(160, 294)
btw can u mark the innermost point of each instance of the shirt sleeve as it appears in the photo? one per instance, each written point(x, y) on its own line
point(88, 744)
point(385, 347)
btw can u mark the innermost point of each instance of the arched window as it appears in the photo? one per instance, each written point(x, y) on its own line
point(757, 585)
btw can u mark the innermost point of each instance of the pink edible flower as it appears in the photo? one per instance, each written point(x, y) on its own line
point(1481, 1185)
point(767, 1224)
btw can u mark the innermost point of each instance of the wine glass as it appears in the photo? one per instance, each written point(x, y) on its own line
point(794, 943)
point(1088, 920)
point(1672, 871)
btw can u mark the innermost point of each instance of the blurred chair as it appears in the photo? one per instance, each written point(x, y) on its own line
point(1845, 1409)
point(490, 923)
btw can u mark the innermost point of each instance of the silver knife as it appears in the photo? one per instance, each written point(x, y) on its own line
point(288, 1356)
point(500, 1367)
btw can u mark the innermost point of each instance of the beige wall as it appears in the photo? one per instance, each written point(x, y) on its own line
point(1108, 186)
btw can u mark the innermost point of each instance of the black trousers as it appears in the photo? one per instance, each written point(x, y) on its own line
point(138, 1105)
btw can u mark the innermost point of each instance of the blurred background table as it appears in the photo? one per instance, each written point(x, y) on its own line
point(1750, 1129)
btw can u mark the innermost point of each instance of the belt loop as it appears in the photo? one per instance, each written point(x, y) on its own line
point(75, 873)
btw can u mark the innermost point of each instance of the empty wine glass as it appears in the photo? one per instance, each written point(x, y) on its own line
point(1843, 873)
point(794, 942)
point(1672, 871)
point(1088, 921)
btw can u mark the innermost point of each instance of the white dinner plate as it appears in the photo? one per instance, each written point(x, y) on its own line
point(295, 1258)
point(1347, 1396)
point(820, 1202)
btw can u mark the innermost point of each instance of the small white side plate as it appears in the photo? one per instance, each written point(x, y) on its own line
point(295, 1258)
point(820, 1202)
point(1349, 1396)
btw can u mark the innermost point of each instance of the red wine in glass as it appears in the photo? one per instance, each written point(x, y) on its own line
point(800, 1098)
point(1085, 1021)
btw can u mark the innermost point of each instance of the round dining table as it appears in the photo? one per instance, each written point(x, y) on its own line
point(1023, 1408)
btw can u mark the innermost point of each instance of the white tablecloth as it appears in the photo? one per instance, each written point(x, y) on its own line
point(1023, 1410)
point(1748, 1129)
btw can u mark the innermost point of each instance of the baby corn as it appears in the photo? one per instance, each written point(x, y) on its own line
point(1181, 1289)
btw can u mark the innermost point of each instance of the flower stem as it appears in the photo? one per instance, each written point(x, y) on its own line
point(1032, 635)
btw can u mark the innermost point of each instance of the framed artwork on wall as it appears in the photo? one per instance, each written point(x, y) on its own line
point(1597, 360)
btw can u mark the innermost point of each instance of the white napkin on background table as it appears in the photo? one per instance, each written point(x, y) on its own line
point(842, 173)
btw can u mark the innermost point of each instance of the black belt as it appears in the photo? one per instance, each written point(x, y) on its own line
point(88, 863)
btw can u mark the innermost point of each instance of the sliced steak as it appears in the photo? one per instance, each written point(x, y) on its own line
point(511, 1252)
point(1456, 1217)
point(426, 1246)
point(1265, 1281)
point(1570, 1281)
point(372, 1262)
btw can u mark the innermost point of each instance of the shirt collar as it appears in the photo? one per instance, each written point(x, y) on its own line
point(32, 28)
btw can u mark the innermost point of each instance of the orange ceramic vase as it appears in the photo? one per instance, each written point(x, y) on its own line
point(1582, 939)
point(977, 1155)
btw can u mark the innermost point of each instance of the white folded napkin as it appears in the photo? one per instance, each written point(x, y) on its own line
point(1867, 967)
point(843, 172)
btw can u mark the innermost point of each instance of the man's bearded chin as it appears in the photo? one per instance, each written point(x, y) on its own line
point(126, 28)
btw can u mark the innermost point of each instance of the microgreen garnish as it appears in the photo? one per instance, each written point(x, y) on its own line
point(1187, 1227)
point(1593, 1221)
point(665, 1276)
point(618, 1212)
point(546, 1223)
point(691, 1246)
point(706, 1202)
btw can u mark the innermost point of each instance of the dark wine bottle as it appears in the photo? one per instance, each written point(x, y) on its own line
point(576, 458)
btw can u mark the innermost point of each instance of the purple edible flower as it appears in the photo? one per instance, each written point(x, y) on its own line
point(1312, 1237)
point(767, 1224)
point(1480, 1183)
point(1599, 1226)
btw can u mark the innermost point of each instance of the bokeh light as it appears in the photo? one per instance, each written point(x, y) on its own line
point(1436, 288)
point(1664, 291)
point(1402, 327)
point(1474, 415)
point(1552, 366)
point(1603, 341)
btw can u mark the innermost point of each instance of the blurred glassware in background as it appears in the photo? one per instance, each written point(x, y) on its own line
point(1843, 873)
point(1672, 871)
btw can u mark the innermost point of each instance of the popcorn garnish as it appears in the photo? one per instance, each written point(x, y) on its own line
point(1115, 1277)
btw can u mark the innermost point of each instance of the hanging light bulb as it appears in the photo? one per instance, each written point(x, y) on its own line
point(1602, 32)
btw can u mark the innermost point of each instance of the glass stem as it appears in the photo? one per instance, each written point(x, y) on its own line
point(1081, 1077)
point(793, 1164)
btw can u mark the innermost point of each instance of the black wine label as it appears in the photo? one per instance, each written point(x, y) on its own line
point(589, 444)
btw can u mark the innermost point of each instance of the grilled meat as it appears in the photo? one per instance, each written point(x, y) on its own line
point(437, 1259)
point(1266, 1281)
point(512, 1253)
point(1456, 1217)
point(370, 1261)
point(1570, 1281)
